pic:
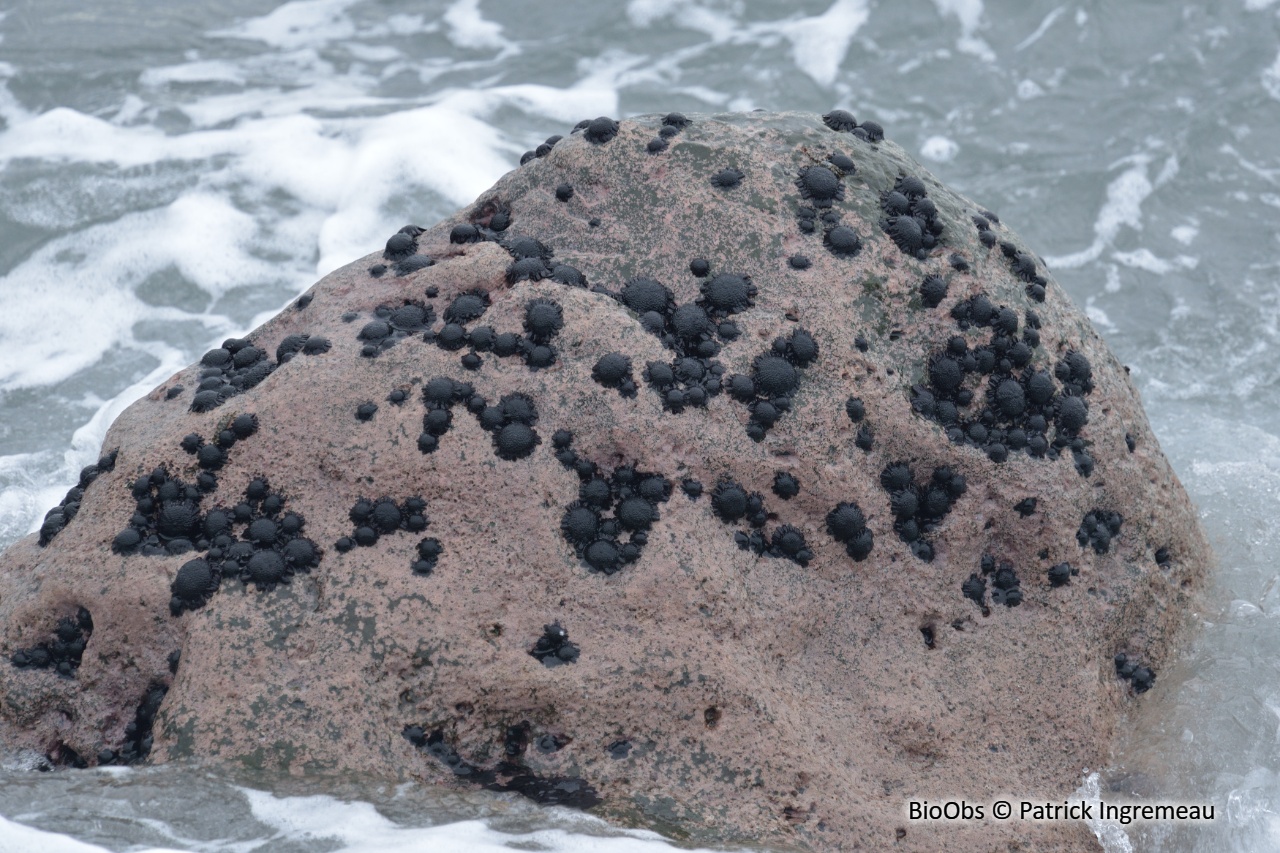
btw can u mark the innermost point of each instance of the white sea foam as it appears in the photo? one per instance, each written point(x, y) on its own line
point(19, 838)
point(74, 309)
point(360, 828)
point(819, 44)
point(940, 149)
point(1110, 835)
point(1145, 259)
point(210, 71)
point(469, 28)
point(1028, 89)
point(1122, 208)
point(1271, 79)
point(302, 23)
point(324, 822)
point(721, 27)
point(1097, 316)
point(969, 14)
point(1042, 29)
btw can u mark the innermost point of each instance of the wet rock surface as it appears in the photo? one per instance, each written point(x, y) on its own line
point(909, 433)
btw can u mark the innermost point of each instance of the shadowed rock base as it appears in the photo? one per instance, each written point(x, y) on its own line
point(923, 545)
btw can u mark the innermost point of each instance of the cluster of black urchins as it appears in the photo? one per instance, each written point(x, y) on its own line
point(1006, 588)
point(239, 365)
point(773, 381)
point(531, 258)
point(848, 526)
point(821, 186)
point(1019, 402)
point(843, 121)
point(672, 124)
point(270, 549)
point(919, 509)
point(541, 151)
point(510, 421)
point(543, 320)
point(393, 324)
point(62, 514)
point(732, 504)
point(374, 519)
point(402, 253)
point(137, 733)
point(553, 647)
point(1098, 528)
point(690, 330)
point(632, 497)
point(62, 653)
point(1022, 264)
point(167, 517)
point(911, 218)
point(1128, 668)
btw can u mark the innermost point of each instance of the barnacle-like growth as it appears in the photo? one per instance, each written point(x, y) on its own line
point(599, 130)
point(613, 370)
point(63, 651)
point(842, 241)
point(194, 585)
point(1141, 677)
point(918, 509)
point(373, 519)
point(553, 648)
point(1098, 528)
point(841, 120)
point(728, 293)
point(774, 380)
point(1020, 405)
point(61, 515)
point(632, 497)
point(820, 186)
point(727, 179)
point(848, 526)
point(911, 218)
point(467, 307)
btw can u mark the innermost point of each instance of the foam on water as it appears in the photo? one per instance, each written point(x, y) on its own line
point(18, 838)
point(1122, 209)
point(469, 28)
point(172, 809)
point(939, 149)
point(359, 828)
point(969, 14)
point(819, 43)
point(1040, 30)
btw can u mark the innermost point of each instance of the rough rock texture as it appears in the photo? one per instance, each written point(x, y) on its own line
point(797, 557)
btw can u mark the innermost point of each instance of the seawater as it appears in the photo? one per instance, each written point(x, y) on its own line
point(173, 174)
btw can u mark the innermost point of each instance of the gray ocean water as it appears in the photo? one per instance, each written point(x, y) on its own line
point(172, 172)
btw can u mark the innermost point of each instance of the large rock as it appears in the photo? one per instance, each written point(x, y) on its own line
point(734, 478)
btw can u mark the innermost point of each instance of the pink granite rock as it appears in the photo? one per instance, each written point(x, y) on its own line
point(462, 538)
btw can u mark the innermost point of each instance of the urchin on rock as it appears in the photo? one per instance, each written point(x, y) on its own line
point(867, 377)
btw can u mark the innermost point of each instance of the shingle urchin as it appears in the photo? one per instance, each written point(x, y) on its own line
point(727, 293)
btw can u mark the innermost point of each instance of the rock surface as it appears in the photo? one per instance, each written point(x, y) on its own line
point(731, 477)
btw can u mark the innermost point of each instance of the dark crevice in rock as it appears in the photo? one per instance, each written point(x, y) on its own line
point(138, 733)
point(505, 775)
